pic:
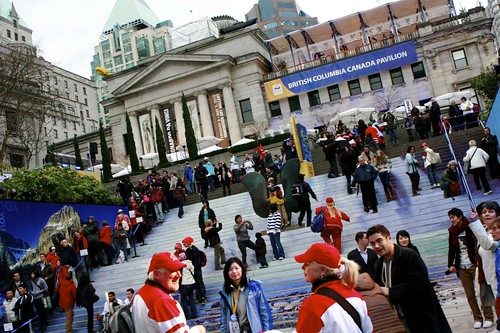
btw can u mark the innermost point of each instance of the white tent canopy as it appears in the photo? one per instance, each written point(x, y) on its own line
point(352, 116)
point(400, 111)
point(114, 167)
point(209, 150)
point(242, 142)
point(124, 172)
point(445, 100)
point(201, 142)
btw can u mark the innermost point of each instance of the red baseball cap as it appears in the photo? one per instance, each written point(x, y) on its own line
point(188, 240)
point(330, 200)
point(321, 253)
point(165, 260)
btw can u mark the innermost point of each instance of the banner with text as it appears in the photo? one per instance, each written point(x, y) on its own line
point(219, 119)
point(343, 70)
point(169, 131)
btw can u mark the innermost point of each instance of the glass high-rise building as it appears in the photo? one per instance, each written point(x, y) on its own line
point(279, 17)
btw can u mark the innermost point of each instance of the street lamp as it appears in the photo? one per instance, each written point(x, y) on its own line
point(184, 149)
point(142, 167)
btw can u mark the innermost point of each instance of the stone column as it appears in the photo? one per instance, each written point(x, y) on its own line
point(155, 115)
point(136, 131)
point(206, 117)
point(231, 115)
point(179, 120)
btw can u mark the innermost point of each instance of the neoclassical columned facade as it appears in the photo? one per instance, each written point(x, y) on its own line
point(220, 79)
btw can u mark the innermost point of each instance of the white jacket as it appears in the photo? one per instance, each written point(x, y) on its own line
point(479, 158)
point(486, 252)
point(187, 273)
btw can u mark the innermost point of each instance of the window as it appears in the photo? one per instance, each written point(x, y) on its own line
point(71, 111)
point(118, 60)
point(76, 98)
point(64, 123)
point(275, 109)
point(55, 134)
point(83, 128)
point(75, 88)
point(85, 101)
point(294, 103)
point(354, 87)
point(66, 84)
point(81, 115)
point(16, 36)
point(23, 39)
point(66, 135)
point(459, 59)
point(14, 23)
point(88, 113)
point(375, 82)
point(67, 95)
point(55, 80)
point(314, 98)
point(9, 34)
point(74, 125)
point(334, 93)
point(54, 121)
point(16, 160)
point(397, 76)
point(246, 110)
point(85, 91)
point(418, 70)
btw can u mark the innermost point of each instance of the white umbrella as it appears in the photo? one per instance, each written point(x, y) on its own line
point(201, 142)
point(350, 117)
point(124, 172)
point(400, 111)
point(209, 150)
point(242, 142)
point(114, 167)
point(177, 156)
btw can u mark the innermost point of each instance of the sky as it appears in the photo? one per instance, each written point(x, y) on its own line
point(66, 31)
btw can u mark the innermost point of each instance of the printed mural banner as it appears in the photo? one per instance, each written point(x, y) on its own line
point(218, 117)
point(148, 143)
point(169, 131)
point(299, 133)
point(343, 70)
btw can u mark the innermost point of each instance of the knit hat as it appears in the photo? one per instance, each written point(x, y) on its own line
point(330, 200)
point(178, 246)
point(188, 240)
point(165, 260)
point(322, 253)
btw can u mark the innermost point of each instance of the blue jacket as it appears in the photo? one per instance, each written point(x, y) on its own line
point(258, 310)
point(210, 168)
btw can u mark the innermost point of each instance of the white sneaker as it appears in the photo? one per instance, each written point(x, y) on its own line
point(478, 325)
point(488, 193)
point(432, 186)
point(487, 324)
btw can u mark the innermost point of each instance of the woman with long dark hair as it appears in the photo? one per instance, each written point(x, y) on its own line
point(244, 307)
point(411, 165)
point(39, 288)
point(383, 166)
point(404, 240)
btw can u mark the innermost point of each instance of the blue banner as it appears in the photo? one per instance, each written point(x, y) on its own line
point(304, 143)
point(342, 70)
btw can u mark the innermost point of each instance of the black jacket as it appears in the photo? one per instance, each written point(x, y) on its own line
point(365, 173)
point(213, 234)
point(369, 267)
point(412, 291)
point(454, 244)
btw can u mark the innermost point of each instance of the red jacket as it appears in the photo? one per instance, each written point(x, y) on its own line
point(105, 234)
point(332, 222)
point(52, 258)
point(66, 288)
point(80, 244)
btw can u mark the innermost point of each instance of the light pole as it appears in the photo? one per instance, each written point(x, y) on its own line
point(142, 167)
point(184, 149)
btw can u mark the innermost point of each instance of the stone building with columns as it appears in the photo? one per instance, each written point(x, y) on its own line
point(220, 78)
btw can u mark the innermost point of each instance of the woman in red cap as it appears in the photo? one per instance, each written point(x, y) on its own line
point(332, 229)
point(343, 309)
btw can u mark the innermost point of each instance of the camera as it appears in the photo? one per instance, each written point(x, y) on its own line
point(448, 272)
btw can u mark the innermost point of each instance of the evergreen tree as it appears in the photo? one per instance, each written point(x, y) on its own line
point(134, 161)
point(106, 158)
point(160, 145)
point(190, 138)
point(78, 155)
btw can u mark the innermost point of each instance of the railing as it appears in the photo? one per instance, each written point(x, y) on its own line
point(341, 55)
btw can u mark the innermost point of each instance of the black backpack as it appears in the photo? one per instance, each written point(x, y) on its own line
point(296, 191)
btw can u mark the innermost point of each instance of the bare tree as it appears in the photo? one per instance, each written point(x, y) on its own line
point(325, 117)
point(26, 101)
point(259, 127)
point(389, 100)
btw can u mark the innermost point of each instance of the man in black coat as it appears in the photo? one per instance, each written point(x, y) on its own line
point(362, 255)
point(434, 116)
point(206, 213)
point(303, 200)
point(330, 149)
point(403, 276)
point(489, 143)
point(365, 176)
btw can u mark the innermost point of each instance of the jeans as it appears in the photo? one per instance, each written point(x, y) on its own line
point(190, 186)
point(121, 246)
point(394, 136)
point(368, 195)
point(201, 292)
point(305, 207)
point(211, 183)
point(415, 181)
point(480, 174)
point(334, 169)
point(236, 175)
point(159, 211)
point(385, 178)
point(180, 203)
point(219, 256)
point(187, 300)
point(432, 174)
point(276, 244)
point(467, 278)
point(242, 245)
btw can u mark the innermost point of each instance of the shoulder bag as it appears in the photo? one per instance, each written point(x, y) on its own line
point(468, 163)
point(343, 303)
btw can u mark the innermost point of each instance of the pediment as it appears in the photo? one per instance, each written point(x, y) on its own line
point(167, 68)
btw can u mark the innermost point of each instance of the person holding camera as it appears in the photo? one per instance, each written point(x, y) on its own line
point(242, 237)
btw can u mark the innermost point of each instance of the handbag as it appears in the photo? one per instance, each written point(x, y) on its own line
point(318, 221)
point(467, 163)
point(95, 298)
point(47, 302)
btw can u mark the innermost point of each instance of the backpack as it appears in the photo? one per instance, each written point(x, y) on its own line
point(296, 191)
point(434, 158)
point(120, 321)
point(203, 259)
point(318, 221)
point(199, 175)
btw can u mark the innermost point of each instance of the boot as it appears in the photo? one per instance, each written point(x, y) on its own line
point(393, 194)
point(387, 197)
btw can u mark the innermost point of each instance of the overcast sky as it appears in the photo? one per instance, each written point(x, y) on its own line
point(67, 30)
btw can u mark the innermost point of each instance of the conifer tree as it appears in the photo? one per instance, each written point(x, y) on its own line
point(190, 138)
point(106, 158)
point(160, 145)
point(78, 155)
point(132, 153)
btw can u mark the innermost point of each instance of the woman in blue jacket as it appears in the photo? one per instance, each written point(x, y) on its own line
point(244, 307)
